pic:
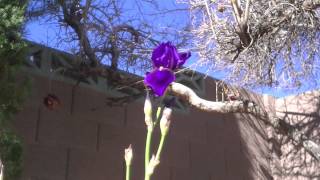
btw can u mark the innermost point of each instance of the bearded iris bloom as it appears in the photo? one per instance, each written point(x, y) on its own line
point(165, 59)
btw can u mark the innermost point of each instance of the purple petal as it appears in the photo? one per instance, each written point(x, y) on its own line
point(182, 58)
point(160, 55)
point(175, 58)
point(165, 55)
point(159, 80)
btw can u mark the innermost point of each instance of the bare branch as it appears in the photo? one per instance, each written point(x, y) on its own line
point(237, 10)
point(190, 96)
point(73, 19)
point(246, 14)
point(311, 4)
point(259, 43)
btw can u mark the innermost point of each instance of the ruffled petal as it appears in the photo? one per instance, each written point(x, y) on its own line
point(160, 55)
point(165, 55)
point(158, 80)
point(183, 58)
point(175, 58)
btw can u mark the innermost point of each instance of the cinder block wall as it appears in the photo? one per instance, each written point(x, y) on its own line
point(302, 113)
point(85, 139)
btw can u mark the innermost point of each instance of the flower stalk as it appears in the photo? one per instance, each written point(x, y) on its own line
point(128, 155)
point(147, 152)
point(150, 125)
point(164, 128)
point(151, 166)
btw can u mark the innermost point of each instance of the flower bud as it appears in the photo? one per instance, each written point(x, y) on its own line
point(128, 155)
point(152, 164)
point(148, 111)
point(147, 106)
point(165, 120)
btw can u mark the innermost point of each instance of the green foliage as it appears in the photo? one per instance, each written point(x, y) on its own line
point(11, 19)
point(12, 94)
point(11, 154)
point(11, 57)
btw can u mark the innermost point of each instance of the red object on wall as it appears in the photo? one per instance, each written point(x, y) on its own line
point(52, 102)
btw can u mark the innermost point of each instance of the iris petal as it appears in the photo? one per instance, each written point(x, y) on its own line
point(160, 56)
point(166, 59)
point(182, 58)
point(175, 58)
point(158, 80)
point(165, 55)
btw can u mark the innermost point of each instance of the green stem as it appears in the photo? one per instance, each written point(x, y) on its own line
point(159, 115)
point(147, 152)
point(128, 167)
point(160, 147)
point(162, 140)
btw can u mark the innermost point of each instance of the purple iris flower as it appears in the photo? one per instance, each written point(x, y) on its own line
point(165, 60)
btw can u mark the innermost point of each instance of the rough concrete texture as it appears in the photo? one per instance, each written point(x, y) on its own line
point(292, 161)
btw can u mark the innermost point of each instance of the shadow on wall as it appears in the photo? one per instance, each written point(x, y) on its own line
point(299, 122)
point(85, 139)
point(254, 145)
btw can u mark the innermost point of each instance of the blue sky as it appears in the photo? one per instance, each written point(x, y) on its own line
point(44, 33)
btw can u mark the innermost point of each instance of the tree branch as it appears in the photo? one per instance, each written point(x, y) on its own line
point(191, 97)
point(72, 19)
point(311, 4)
point(242, 21)
point(237, 10)
point(115, 51)
point(246, 13)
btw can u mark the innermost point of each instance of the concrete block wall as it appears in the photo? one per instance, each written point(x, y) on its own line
point(85, 139)
point(302, 113)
